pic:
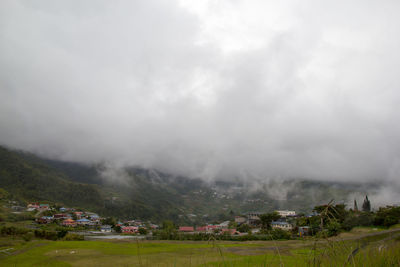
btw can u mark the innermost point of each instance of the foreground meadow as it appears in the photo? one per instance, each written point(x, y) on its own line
point(359, 249)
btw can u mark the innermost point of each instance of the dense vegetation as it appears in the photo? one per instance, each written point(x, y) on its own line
point(28, 178)
point(32, 181)
point(333, 219)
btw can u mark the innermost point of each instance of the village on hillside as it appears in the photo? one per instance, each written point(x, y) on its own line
point(56, 221)
point(283, 224)
point(85, 220)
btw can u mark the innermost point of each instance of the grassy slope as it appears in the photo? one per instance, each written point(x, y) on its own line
point(380, 250)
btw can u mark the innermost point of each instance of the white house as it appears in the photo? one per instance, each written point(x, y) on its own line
point(282, 225)
point(285, 213)
point(106, 229)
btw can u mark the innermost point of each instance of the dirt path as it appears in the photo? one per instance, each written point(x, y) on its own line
point(26, 249)
point(357, 237)
point(285, 248)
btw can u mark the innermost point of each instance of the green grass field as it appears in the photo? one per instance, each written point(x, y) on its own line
point(374, 249)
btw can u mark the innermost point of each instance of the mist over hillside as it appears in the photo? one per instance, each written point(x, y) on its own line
point(216, 91)
point(273, 125)
point(168, 108)
point(150, 194)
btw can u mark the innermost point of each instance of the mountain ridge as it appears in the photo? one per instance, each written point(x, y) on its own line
point(150, 194)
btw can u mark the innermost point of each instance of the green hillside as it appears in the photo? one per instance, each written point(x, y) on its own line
point(30, 178)
point(148, 194)
point(32, 181)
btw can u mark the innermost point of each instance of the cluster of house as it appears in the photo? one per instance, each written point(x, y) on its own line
point(65, 216)
point(209, 228)
point(72, 219)
point(283, 223)
point(69, 217)
point(253, 218)
point(38, 207)
point(133, 226)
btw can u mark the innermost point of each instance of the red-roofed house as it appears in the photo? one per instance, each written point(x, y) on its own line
point(44, 220)
point(43, 207)
point(33, 206)
point(60, 216)
point(186, 228)
point(207, 228)
point(130, 229)
point(69, 222)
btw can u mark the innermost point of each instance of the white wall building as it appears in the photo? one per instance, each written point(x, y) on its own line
point(285, 213)
point(282, 225)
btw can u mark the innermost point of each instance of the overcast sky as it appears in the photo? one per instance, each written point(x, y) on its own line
point(206, 88)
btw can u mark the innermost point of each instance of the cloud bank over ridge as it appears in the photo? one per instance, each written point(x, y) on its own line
point(207, 89)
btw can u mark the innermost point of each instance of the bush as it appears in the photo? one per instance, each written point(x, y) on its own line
point(12, 230)
point(358, 219)
point(4, 194)
point(62, 233)
point(274, 234)
point(387, 216)
point(390, 220)
point(142, 231)
point(118, 229)
point(73, 237)
point(43, 234)
point(279, 234)
point(243, 228)
point(28, 236)
point(333, 228)
point(366, 219)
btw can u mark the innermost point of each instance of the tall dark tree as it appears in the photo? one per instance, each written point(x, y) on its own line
point(355, 206)
point(366, 207)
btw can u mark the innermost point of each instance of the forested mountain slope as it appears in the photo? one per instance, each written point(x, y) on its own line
point(149, 194)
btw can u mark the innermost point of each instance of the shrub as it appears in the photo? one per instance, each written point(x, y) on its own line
point(12, 230)
point(333, 228)
point(390, 220)
point(28, 236)
point(243, 228)
point(358, 219)
point(118, 229)
point(142, 231)
point(274, 234)
point(387, 216)
point(43, 234)
point(62, 233)
point(73, 237)
point(279, 234)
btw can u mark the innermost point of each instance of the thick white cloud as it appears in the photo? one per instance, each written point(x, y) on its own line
point(206, 88)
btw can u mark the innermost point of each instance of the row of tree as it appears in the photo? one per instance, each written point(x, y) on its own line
point(333, 218)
